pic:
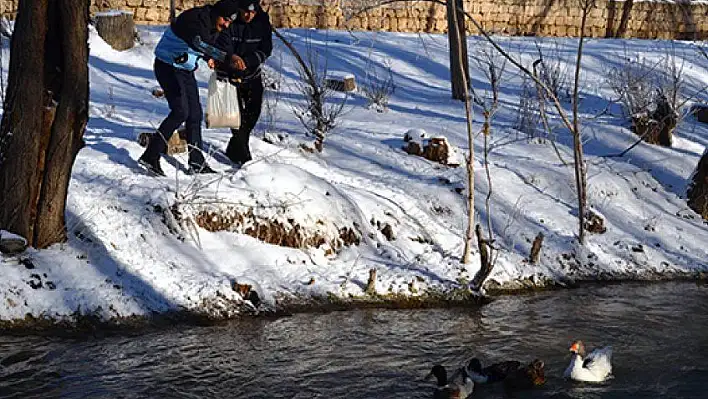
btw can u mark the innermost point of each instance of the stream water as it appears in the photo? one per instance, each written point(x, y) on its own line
point(659, 333)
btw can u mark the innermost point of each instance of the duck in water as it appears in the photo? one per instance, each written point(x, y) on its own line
point(530, 376)
point(492, 373)
point(447, 390)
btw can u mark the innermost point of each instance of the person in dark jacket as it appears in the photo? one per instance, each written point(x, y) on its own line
point(250, 39)
point(176, 57)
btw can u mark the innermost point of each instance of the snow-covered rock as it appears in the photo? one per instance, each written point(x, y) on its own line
point(11, 244)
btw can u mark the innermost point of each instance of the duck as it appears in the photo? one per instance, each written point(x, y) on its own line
point(447, 390)
point(490, 374)
point(596, 367)
point(527, 377)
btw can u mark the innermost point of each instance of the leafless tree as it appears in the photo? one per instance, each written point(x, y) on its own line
point(45, 115)
point(173, 12)
point(378, 85)
point(652, 95)
point(469, 234)
point(671, 85)
point(530, 108)
point(551, 70)
point(272, 81)
point(542, 99)
point(702, 51)
point(631, 82)
point(580, 166)
point(624, 18)
point(492, 66)
point(459, 66)
point(571, 123)
point(457, 41)
point(318, 115)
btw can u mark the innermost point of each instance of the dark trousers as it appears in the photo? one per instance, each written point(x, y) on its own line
point(182, 94)
point(250, 98)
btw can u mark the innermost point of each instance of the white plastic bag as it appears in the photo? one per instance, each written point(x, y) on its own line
point(222, 105)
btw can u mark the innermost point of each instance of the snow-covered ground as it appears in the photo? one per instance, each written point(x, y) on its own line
point(127, 256)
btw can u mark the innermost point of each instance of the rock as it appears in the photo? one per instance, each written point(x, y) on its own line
point(436, 149)
point(12, 244)
point(345, 83)
point(414, 135)
point(371, 284)
point(659, 126)
point(413, 148)
point(594, 223)
point(387, 232)
point(247, 292)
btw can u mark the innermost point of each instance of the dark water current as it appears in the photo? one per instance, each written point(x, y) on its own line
point(659, 333)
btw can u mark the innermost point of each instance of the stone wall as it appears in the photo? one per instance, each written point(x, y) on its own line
point(648, 19)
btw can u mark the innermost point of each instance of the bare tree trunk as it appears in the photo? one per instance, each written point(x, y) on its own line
point(535, 255)
point(573, 126)
point(485, 259)
point(462, 64)
point(173, 13)
point(611, 10)
point(457, 39)
point(45, 114)
point(580, 172)
point(698, 187)
point(626, 10)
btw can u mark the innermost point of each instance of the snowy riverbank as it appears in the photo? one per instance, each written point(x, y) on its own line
point(129, 256)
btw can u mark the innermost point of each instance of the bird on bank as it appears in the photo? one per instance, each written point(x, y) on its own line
point(596, 367)
point(492, 373)
point(449, 390)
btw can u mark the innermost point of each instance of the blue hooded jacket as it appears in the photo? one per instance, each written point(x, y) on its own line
point(177, 45)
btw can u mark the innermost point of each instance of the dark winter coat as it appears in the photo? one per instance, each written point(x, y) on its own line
point(177, 48)
point(252, 41)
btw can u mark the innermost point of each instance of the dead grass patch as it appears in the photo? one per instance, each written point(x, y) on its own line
point(285, 232)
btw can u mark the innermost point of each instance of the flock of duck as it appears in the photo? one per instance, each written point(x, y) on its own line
point(595, 367)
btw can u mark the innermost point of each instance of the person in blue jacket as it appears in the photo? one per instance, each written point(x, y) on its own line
point(248, 38)
point(176, 57)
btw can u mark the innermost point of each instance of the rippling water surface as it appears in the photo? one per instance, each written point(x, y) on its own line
point(659, 333)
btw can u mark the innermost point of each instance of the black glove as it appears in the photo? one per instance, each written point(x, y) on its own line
point(181, 58)
point(221, 75)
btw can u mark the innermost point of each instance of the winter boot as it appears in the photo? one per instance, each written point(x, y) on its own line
point(200, 169)
point(152, 167)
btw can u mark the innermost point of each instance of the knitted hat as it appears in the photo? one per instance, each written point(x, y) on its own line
point(249, 5)
point(226, 8)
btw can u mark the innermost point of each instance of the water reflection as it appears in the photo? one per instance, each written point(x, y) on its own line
point(658, 333)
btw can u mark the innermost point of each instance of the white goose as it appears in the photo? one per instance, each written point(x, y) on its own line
point(596, 367)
